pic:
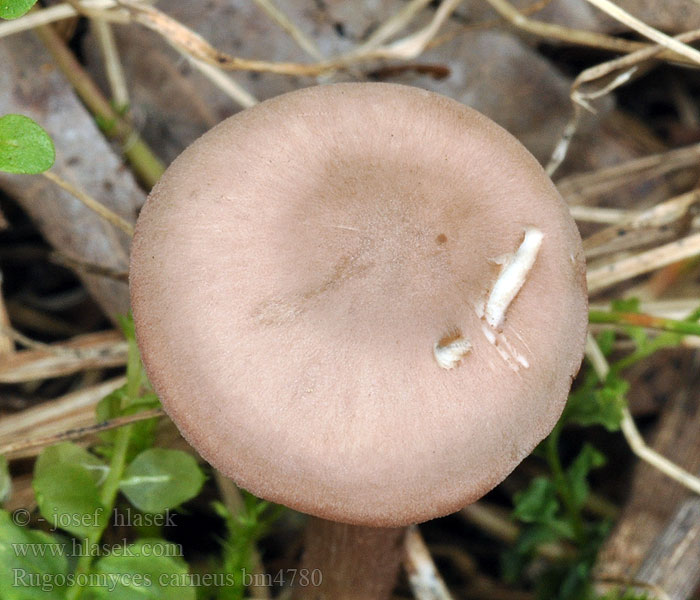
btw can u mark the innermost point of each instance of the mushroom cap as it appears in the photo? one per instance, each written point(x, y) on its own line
point(294, 270)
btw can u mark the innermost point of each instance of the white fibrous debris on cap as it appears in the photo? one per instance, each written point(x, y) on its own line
point(450, 351)
point(512, 277)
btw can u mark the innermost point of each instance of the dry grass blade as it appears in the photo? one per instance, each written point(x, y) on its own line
point(631, 433)
point(414, 44)
point(565, 34)
point(107, 214)
point(33, 444)
point(423, 577)
point(640, 27)
point(231, 88)
point(639, 227)
point(611, 272)
point(392, 25)
point(188, 41)
point(599, 214)
point(71, 411)
point(113, 65)
point(580, 187)
point(304, 41)
point(28, 342)
point(580, 98)
point(625, 63)
point(91, 351)
point(88, 267)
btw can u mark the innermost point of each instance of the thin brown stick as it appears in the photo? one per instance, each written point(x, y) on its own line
point(80, 432)
point(76, 409)
point(91, 351)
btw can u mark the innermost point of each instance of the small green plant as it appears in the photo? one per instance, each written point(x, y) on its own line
point(243, 530)
point(77, 494)
point(551, 508)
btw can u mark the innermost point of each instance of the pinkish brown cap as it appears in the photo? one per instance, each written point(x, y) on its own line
point(364, 301)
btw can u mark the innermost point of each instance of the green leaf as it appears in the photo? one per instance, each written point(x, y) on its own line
point(147, 570)
point(65, 484)
point(160, 479)
point(71, 454)
point(591, 404)
point(538, 503)
point(29, 559)
point(24, 146)
point(577, 474)
point(5, 480)
point(11, 9)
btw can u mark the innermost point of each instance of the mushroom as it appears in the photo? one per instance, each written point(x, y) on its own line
point(363, 301)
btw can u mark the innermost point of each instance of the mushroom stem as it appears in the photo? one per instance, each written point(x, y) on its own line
point(352, 561)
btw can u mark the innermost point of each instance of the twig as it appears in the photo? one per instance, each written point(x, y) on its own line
point(107, 214)
point(80, 432)
point(631, 433)
point(423, 577)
